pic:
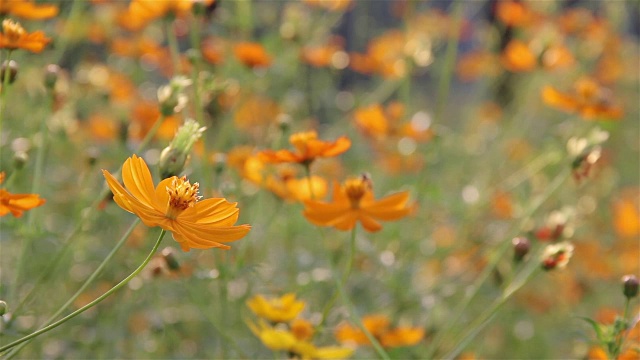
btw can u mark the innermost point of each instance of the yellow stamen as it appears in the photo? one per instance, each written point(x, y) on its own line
point(182, 195)
point(301, 139)
point(356, 188)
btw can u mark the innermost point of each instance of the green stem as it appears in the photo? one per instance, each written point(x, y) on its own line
point(61, 45)
point(172, 40)
point(91, 304)
point(493, 263)
point(5, 87)
point(84, 286)
point(307, 172)
point(345, 276)
point(449, 61)
point(620, 337)
point(356, 319)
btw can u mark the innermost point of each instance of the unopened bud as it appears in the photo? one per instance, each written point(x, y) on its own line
point(169, 256)
point(10, 70)
point(52, 71)
point(630, 286)
point(20, 158)
point(174, 157)
point(3, 308)
point(284, 122)
point(172, 97)
point(521, 247)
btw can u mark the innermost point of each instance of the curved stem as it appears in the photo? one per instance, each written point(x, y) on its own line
point(91, 304)
point(84, 286)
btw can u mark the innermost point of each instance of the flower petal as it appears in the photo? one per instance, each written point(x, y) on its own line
point(137, 179)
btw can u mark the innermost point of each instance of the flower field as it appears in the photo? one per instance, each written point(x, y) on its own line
point(319, 179)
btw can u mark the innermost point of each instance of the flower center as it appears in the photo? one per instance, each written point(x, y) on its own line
point(301, 140)
point(182, 195)
point(356, 188)
point(12, 30)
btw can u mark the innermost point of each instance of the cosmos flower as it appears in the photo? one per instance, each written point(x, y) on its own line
point(379, 327)
point(17, 204)
point(354, 202)
point(173, 205)
point(252, 55)
point(14, 36)
point(282, 309)
point(307, 148)
point(27, 9)
point(589, 100)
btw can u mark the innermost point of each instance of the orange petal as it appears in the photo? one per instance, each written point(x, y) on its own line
point(137, 179)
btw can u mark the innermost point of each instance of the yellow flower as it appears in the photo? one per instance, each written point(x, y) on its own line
point(17, 204)
point(283, 309)
point(274, 339)
point(14, 36)
point(173, 205)
point(354, 202)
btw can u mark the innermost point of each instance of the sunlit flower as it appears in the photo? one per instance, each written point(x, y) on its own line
point(589, 100)
point(14, 36)
point(27, 9)
point(379, 327)
point(282, 309)
point(557, 255)
point(354, 202)
point(252, 54)
point(307, 148)
point(17, 204)
point(173, 205)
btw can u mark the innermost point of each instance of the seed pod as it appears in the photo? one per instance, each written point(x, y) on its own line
point(630, 286)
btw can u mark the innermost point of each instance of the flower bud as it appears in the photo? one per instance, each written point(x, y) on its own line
point(174, 157)
point(169, 256)
point(20, 158)
point(172, 97)
point(630, 286)
point(3, 308)
point(193, 55)
point(521, 247)
point(10, 70)
point(52, 71)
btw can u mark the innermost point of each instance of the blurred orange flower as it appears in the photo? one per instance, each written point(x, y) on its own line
point(252, 54)
point(589, 100)
point(626, 215)
point(354, 202)
point(287, 186)
point(514, 13)
point(332, 5)
point(14, 36)
point(253, 114)
point(517, 57)
point(307, 148)
point(173, 205)
point(17, 204)
point(142, 12)
point(282, 309)
point(323, 55)
point(379, 327)
point(27, 9)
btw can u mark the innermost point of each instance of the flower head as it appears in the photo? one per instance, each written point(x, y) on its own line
point(354, 202)
point(379, 327)
point(307, 148)
point(17, 204)
point(252, 55)
point(282, 309)
point(26, 9)
point(589, 100)
point(174, 206)
point(14, 36)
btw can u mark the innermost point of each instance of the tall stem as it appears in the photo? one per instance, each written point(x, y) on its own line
point(91, 304)
point(84, 286)
point(5, 87)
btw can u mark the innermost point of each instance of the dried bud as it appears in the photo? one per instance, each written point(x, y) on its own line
point(169, 256)
point(172, 97)
point(10, 70)
point(52, 71)
point(3, 308)
point(174, 157)
point(630, 286)
point(521, 247)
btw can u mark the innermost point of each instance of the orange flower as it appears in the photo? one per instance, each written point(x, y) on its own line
point(331, 5)
point(173, 205)
point(324, 55)
point(142, 12)
point(27, 10)
point(588, 99)
point(378, 326)
point(307, 148)
point(14, 36)
point(517, 57)
point(252, 54)
point(353, 202)
point(16, 204)
point(513, 13)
